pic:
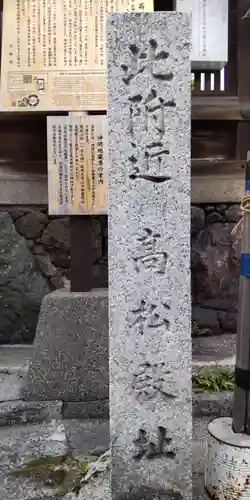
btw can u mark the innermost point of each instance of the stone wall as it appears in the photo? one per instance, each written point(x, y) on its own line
point(35, 259)
point(215, 266)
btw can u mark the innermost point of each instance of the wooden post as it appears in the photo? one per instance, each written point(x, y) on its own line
point(81, 247)
point(241, 407)
point(81, 253)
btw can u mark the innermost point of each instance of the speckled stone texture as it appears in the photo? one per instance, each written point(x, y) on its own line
point(70, 356)
point(149, 255)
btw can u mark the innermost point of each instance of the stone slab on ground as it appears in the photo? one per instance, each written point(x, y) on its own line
point(14, 364)
point(84, 437)
point(99, 489)
point(21, 443)
point(10, 386)
point(70, 354)
point(210, 352)
point(213, 349)
point(198, 455)
point(29, 412)
point(15, 358)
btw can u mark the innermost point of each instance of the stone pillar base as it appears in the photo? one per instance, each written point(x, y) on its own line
point(70, 353)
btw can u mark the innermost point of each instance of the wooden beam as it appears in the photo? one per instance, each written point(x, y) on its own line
point(203, 108)
point(10, 116)
point(217, 108)
point(30, 169)
point(214, 167)
point(221, 189)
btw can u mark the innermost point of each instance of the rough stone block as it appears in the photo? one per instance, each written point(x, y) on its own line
point(70, 356)
point(22, 286)
point(149, 255)
point(85, 410)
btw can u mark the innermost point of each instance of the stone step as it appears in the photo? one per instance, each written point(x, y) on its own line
point(215, 348)
point(15, 358)
point(30, 412)
point(16, 412)
point(218, 350)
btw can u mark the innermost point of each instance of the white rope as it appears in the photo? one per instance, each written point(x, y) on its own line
point(245, 208)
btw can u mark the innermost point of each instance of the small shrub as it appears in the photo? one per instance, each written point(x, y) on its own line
point(214, 380)
point(197, 331)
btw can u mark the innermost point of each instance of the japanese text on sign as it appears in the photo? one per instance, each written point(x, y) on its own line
point(77, 164)
point(54, 57)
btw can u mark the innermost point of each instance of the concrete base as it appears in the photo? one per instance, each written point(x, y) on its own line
point(227, 465)
point(70, 354)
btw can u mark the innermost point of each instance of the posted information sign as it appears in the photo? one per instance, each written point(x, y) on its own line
point(77, 164)
point(53, 53)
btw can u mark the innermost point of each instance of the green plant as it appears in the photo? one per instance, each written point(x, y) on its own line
point(192, 82)
point(214, 380)
point(64, 474)
point(197, 331)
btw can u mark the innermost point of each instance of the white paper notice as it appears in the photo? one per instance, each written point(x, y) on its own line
point(209, 33)
point(77, 164)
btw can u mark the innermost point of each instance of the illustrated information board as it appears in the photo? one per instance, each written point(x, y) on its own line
point(53, 53)
point(77, 164)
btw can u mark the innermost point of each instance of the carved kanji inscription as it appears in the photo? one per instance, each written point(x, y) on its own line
point(149, 109)
point(147, 448)
point(152, 380)
point(147, 113)
point(149, 315)
point(149, 254)
point(141, 60)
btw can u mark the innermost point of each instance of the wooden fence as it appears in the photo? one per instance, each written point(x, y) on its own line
point(220, 126)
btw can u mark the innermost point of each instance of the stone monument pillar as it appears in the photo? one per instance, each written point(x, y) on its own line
point(149, 255)
point(70, 359)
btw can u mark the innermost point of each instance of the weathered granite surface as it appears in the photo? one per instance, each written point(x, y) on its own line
point(20, 444)
point(70, 356)
point(149, 255)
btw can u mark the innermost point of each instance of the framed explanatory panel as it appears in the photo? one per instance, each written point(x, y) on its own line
point(53, 53)
point(77, 164)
